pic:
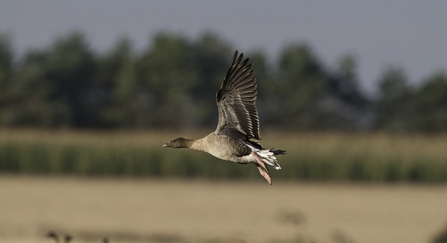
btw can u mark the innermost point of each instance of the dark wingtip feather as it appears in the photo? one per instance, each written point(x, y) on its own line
point(278, 151)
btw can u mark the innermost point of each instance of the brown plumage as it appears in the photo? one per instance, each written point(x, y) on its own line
point(238, 122)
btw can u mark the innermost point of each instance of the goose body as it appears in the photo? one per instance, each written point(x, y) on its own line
point(238, 123)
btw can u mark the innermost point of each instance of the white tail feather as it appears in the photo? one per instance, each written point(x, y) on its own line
point(269, 158)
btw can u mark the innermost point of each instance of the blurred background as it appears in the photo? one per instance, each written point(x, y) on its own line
point(355, 92)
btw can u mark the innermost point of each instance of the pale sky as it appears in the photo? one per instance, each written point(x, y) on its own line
point(408, 33)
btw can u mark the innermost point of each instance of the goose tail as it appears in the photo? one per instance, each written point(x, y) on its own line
point(268, 156)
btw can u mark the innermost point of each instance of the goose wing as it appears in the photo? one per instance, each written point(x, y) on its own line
point(236, 101)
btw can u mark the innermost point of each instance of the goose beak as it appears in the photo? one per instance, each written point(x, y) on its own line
point(168, 144)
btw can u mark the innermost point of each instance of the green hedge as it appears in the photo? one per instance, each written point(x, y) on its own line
point(132, 159)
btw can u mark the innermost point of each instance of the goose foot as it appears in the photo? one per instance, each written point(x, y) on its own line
point(262, 168)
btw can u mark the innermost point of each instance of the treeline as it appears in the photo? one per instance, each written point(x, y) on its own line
point(172, 83)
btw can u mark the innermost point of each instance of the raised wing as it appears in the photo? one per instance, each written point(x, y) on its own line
point(236, 101)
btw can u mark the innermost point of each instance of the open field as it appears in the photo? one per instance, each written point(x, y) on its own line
point(155, 210)
point(310, 156)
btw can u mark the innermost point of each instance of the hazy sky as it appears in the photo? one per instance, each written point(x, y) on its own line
point(412, 34)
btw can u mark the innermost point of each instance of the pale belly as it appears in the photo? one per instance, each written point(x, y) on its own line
point(237, 159)
point(227, 148)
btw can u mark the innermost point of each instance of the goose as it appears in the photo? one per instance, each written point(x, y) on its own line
point(67, 238)
point(53, 235)
point(237, 124)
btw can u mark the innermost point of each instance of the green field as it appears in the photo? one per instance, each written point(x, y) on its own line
point(310, 156)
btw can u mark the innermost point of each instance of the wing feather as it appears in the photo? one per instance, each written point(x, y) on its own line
point(236, 101)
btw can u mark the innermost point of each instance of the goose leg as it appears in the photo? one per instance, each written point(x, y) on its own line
point(262, 168)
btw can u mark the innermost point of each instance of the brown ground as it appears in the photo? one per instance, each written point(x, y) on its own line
point(128, 210)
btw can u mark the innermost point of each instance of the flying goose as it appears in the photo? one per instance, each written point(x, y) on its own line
point(238, 123)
